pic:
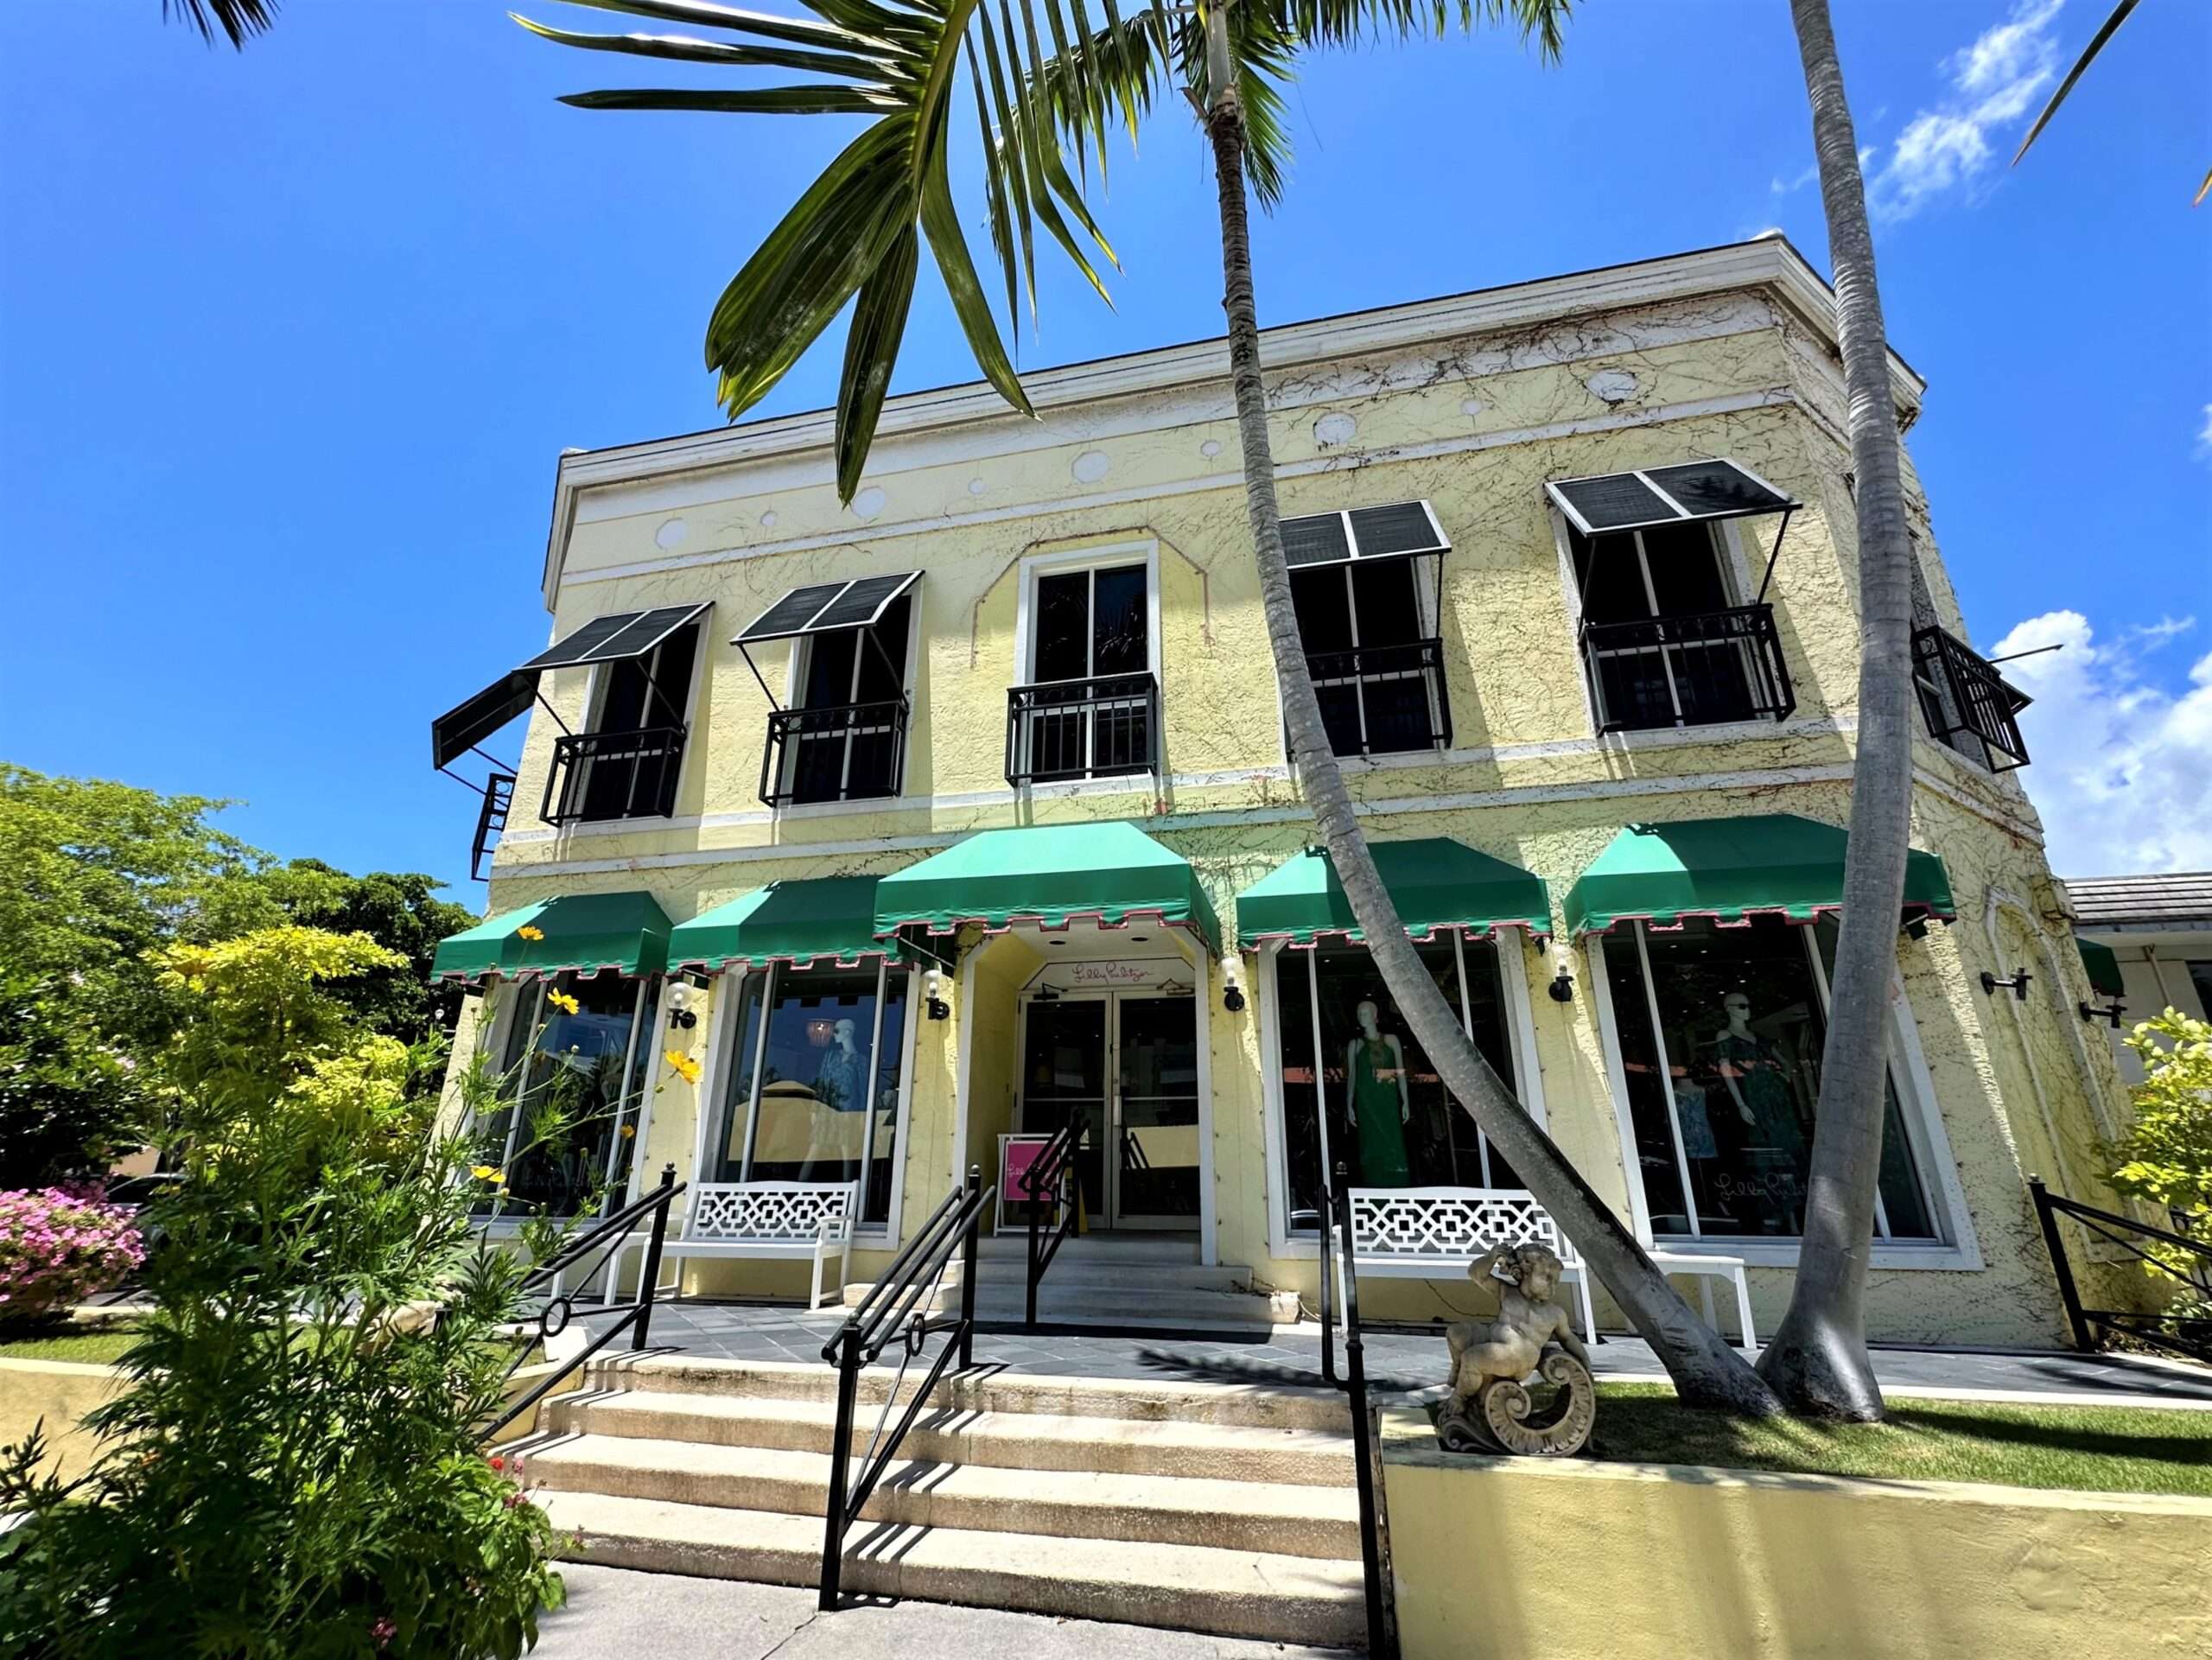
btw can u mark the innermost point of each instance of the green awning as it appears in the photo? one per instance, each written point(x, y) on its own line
point(2103, 965)
point(1110, 874)
point(1435, 883)
point(830, 918)
point(587, 932)
point(1730, 869)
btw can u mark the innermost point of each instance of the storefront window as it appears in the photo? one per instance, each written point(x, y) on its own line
point(1379, 1107)
point(1720, 1032)
point(578, 1080)
point(811, 1086)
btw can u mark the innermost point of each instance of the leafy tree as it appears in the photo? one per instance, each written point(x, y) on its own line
point(2166, 1155)
point(95, 874)
point(293, 1467)
point(852, 237)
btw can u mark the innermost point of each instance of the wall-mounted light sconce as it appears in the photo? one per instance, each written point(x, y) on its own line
point(2091, 1012)
point(933, 995)
point(680, 1015)
point(2018, 983)
point(1232, 985)
point(1562, 985)
point(1046, 995)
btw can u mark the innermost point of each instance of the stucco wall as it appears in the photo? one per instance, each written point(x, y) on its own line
point(1514, 1557)
point(1474, 425)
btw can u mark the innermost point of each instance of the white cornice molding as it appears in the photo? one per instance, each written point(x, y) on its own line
point(1769, 263)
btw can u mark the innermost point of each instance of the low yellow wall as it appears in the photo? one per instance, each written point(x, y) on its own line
point(1521, 1557)
point(61, 1392)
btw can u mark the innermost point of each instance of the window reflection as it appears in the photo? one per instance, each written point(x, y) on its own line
point(1389, 1120)
point(578, 1083)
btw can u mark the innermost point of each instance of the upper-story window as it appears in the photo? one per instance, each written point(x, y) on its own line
point(1367, 588)
point(844, 736)
point(1666, 640)
point(1969, 706)
point(1090, 707)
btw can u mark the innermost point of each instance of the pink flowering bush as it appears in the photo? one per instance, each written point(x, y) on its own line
point(58, 1246)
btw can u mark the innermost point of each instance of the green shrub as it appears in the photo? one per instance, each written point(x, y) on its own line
point(2166, 1155)
point(293, 1470)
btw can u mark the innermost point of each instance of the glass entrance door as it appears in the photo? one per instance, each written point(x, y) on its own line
point(1125, 1066)
point(1155, 1112)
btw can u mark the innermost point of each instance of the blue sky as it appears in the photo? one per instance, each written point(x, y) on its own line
point(290, 339)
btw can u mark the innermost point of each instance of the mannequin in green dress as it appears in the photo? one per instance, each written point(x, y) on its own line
point(1375, 1075)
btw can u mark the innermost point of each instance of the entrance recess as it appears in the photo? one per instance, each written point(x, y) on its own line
point(1125, 1066)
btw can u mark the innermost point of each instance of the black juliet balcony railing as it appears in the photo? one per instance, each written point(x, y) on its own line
point(1383, 700)
point(1969, 706)
point(1691, 670)
point(850, 751)
point(601, 775)
point(1106, 726)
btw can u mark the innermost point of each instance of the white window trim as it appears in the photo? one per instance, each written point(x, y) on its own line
point(1428, 616)
point(1957, 1248)
point(1521, 1036)
point(798, 664)
point(590, 723)
point(722, 1037)
point(1068, 560)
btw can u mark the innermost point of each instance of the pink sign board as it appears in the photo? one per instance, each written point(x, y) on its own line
point(1019, 1156)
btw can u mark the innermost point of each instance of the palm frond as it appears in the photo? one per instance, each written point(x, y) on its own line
point(857, 234)
point(239, 20)
point(2089, 56)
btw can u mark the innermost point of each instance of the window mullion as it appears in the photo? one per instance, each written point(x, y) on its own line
point(1320, 1069)
point(1651, 599)
point(1667, 1083)
point(1467, 1025)
point(868, 1101)
point(752, 1088)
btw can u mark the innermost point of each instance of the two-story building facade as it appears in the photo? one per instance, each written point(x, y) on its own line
point(964, 811)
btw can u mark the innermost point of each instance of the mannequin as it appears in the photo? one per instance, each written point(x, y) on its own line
point(1375, 1079)
point(839, 1084)
point(1753, 1075)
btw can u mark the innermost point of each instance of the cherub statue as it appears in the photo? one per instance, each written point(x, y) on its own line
point(1490, 1358)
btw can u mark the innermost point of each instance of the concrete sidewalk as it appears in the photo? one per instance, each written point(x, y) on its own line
point(617, 1614)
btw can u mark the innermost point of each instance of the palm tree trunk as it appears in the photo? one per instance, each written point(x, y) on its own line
point(1705, 1370)
point(1817, 1361)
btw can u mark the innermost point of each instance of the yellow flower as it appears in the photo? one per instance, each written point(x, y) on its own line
point(682, 1066)
point(628, 1130)
point(561, 1000)
point(489, 1173)
point(528, 932)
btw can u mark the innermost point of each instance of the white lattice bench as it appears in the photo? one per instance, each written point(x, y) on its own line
point(1428, 1233)
point(791, 1220)
point(1437, 1233)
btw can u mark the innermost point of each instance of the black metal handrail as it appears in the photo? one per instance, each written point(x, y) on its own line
point(1963, 697)
point(599, 775)
point(2089, 1325)
point(863, 774)
point(1054, 1173)
point(1365, 670)
point(1338, 1255)
point(635, 1317)
point(1106, 726)
point(491, 819)
point(899, 1308)
point(1686, 671)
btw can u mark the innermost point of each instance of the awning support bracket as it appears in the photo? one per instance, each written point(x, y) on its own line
point(1781, 530)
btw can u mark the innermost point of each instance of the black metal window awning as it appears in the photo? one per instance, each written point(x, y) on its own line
point(617, 637)
point(1404, 530)
point(1685, 493)
point(825, 607)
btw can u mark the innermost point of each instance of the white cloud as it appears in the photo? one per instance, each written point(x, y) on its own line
point(1993, 82)
point(2204, 436)
point(2122, 774)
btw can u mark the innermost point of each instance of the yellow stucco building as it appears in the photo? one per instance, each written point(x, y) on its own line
point(965, 812)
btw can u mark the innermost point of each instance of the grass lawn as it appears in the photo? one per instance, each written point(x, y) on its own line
point(2081, 1448)
point(101, 1343)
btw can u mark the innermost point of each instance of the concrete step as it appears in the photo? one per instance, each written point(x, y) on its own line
point(1189, 1587)
point(951, 1434)
point(1115, 1299)
point(1149, 1400)
point(1121, 1247)
point(1280, 1518)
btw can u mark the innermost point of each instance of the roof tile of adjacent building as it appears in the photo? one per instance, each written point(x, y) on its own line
point(2178, 899)
point(1768, 261)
